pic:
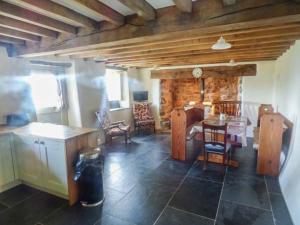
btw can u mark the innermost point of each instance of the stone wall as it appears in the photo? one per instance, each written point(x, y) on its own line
point(179, 92)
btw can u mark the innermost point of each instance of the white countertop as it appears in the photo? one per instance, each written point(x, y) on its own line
point(48, 130)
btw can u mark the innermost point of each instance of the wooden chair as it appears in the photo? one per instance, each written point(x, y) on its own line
point(143, 118)
point(113, 129)
point(215, 141)
point(231, 108)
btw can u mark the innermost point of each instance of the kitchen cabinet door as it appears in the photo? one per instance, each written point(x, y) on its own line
point(28, 159)
point(54, 169)
point(6, 160)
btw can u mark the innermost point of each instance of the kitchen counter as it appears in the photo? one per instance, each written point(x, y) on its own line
point(52, 131)
point(6, 129)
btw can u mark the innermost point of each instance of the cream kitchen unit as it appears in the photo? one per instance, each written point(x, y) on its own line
point(42, 155)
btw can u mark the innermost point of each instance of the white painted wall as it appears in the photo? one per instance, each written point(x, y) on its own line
point(14, 91)
point(287, 100)
point(153, 87)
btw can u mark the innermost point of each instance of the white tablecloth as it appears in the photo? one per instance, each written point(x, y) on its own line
point(236, 126)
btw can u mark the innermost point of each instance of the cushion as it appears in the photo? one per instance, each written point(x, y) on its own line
point(216, 148)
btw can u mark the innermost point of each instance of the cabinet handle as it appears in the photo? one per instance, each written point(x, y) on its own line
point(46, 153)
point(42, 143)
point(36, 142)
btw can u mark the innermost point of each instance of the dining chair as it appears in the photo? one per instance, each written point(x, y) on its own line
point(230, 108)
point(215, 141)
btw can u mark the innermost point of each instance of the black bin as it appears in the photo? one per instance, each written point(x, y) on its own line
point(88, 173)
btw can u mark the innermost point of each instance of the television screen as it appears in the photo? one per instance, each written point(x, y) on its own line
point(140, 96)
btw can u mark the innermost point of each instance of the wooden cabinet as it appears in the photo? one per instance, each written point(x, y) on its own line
point(28, 159)
point(42, 162)
point(54, 170)
point(6, 161)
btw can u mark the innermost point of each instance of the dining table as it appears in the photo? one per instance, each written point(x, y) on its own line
point(236, 129)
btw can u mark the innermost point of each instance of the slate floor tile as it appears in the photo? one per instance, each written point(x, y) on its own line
point(213, 172)
point(17, 194)
point(32, 210)
point(280, 210)
point(110, 220)
point(198, 196)
point(2, 207)
point(234, 214)
point(74, 215)
point(172, 216)
point(143, 204)
point(79, 215)
point(247, 190)
point(273, 185)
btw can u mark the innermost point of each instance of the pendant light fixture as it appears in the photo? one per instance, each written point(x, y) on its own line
point(221, 44)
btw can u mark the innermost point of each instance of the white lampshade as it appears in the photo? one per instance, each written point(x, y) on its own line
point(221, 44)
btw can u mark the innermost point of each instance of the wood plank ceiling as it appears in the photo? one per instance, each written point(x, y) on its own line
point(179, 34)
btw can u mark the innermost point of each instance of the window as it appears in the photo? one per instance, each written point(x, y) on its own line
point(116, 82)
point(46, 91)
point(113, 85)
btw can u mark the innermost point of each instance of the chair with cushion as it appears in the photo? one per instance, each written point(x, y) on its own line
point(143, 118)
point(113, 129)
point(215, 141)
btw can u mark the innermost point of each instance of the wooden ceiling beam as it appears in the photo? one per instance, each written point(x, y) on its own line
point(190, 46)
point(102, 10)
point(11, 40)
point(192, 62)
point(245, 14)
point(26, 27)
point(211, 71)
point(184, 5)
point(56, 11)
point(143, 46)
point(19, 34)
point(174, 52)
point(211, 56)
point(141, 7)
point(191, 53)
point(28, 16)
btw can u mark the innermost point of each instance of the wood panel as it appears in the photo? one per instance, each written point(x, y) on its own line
point(26, 27)
point(214, 71)
point(208, 17)
point(270, 142)
point(101, 9)
point(180, 121)
point(19, 34)
point(28, 16)
point(56, 11)
point(11, 40)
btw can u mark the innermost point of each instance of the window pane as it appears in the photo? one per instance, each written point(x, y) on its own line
point(45, 90)
point(113, 85)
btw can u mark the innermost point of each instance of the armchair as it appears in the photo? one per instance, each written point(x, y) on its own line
point(113, 129)
point(143, 118)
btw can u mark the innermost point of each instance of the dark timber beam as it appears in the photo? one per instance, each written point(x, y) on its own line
point(19, 34)
point(56, 11)
point(184, 5)
point(245, 14)
point(141, 7)
point(11, 40)
point(26, 27)
point(101, 9)
point(28, 16)
point(214, 71)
